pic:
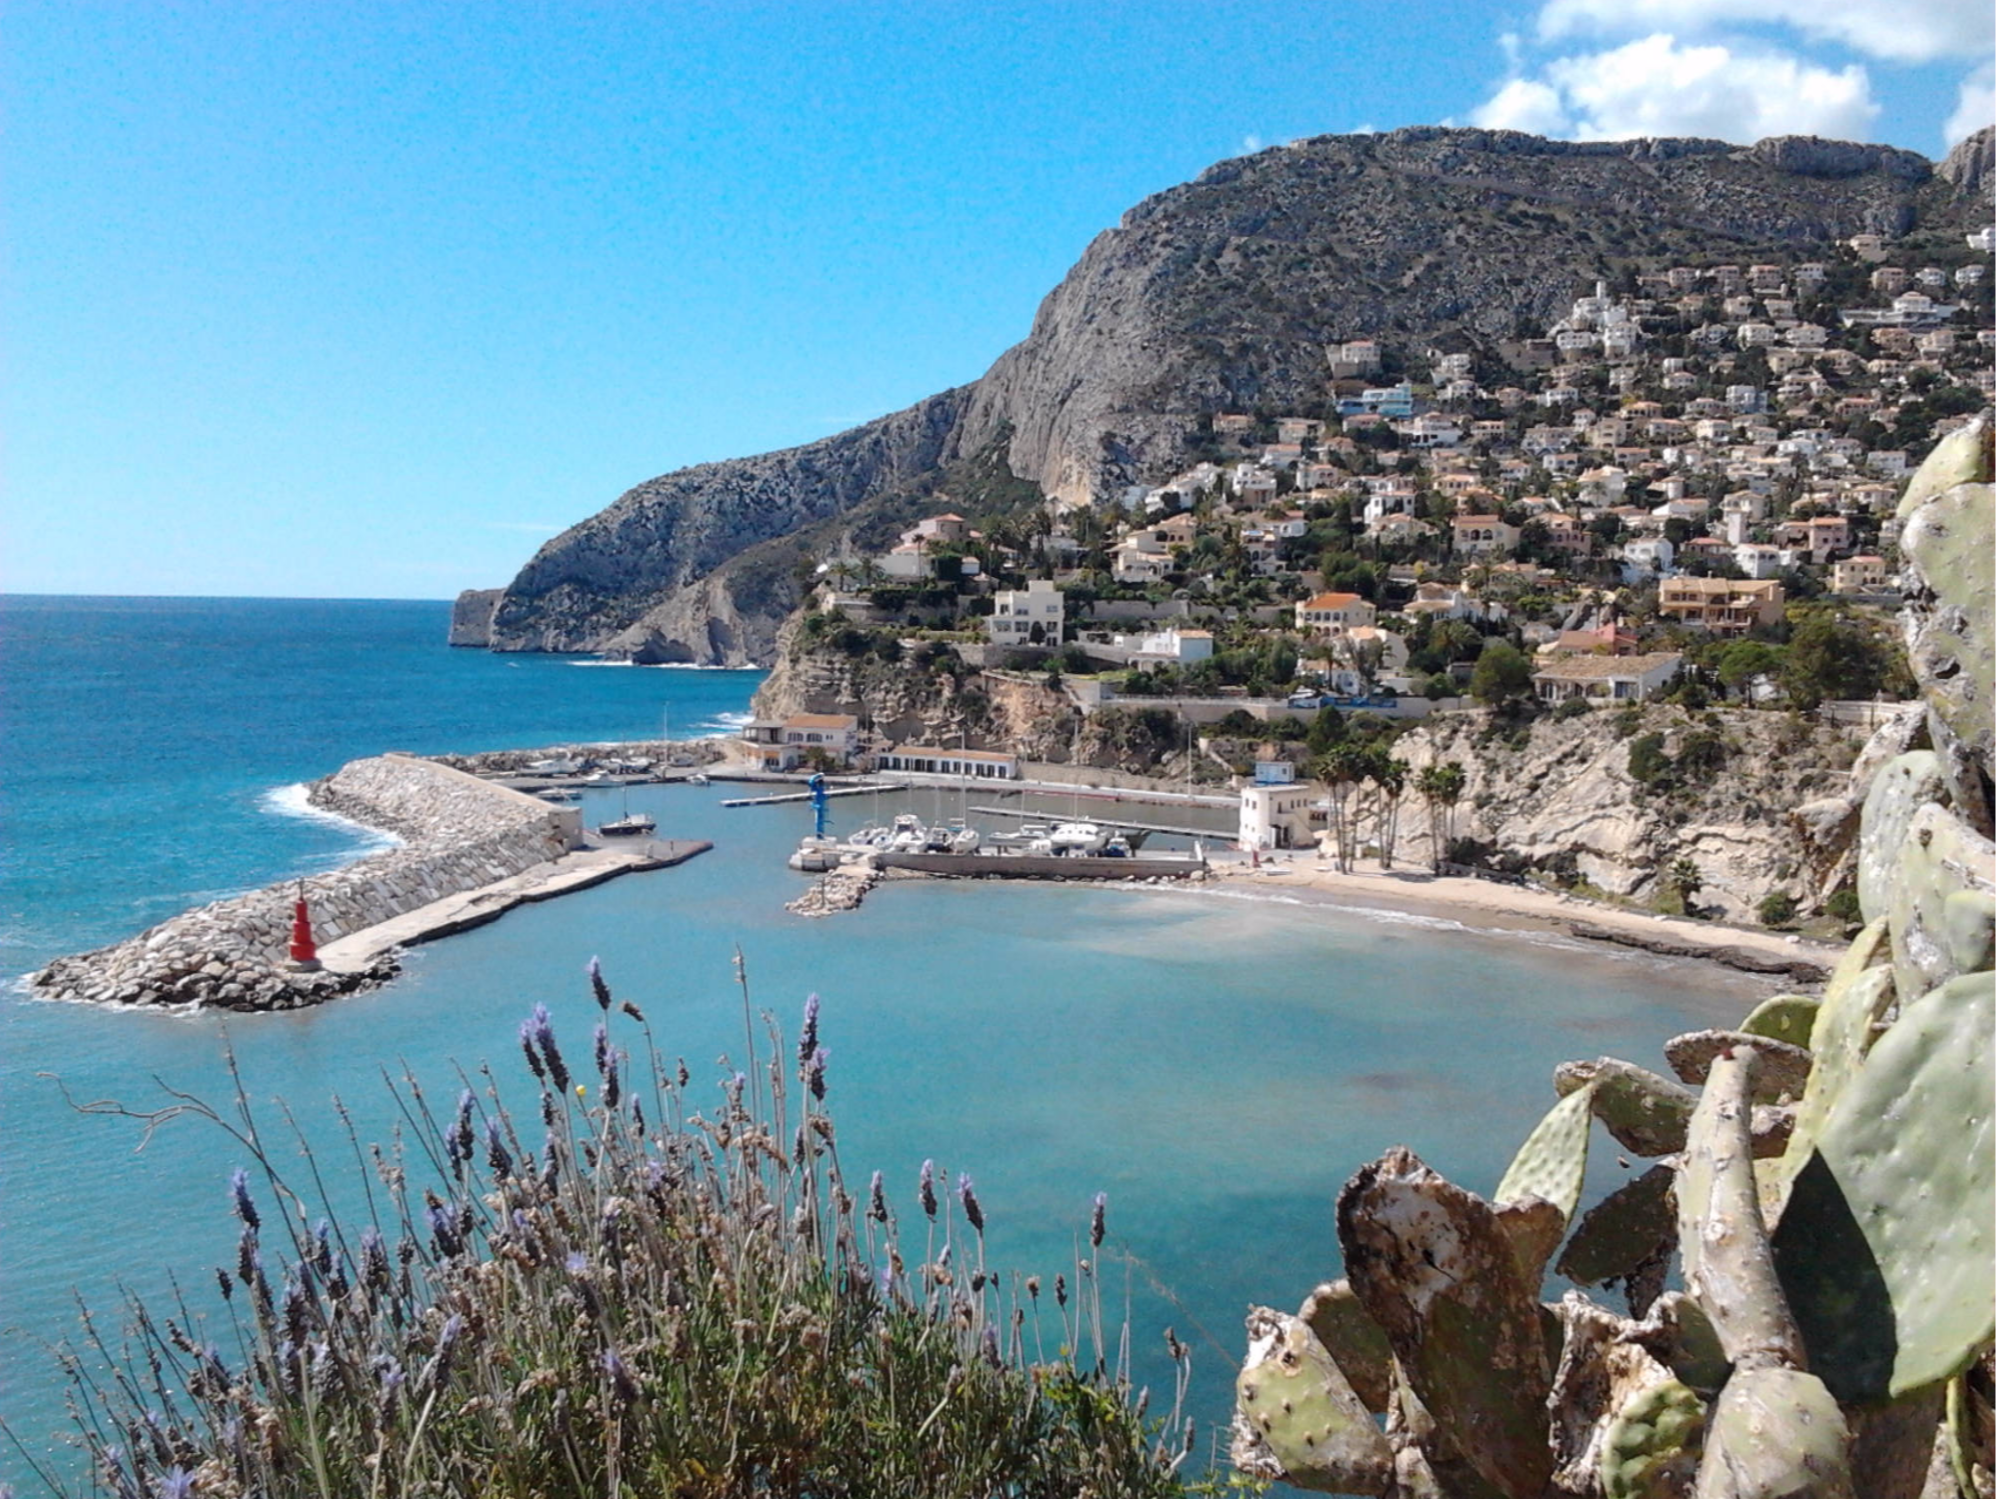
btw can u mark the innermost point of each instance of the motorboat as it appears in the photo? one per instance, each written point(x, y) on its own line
point(559, 794)
point(1077, 837)
point(697, 779)
point(908, 835)
point(816, 855)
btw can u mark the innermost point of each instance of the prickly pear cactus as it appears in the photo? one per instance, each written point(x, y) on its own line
point(1430, 1264)
point(1856, 998)
point(1646, 1113)
point(1776, 1433)
point(1903, 786)
point(1781, 1071)
point(1624, 1232)
point(1886, 1245)
point(1784, 1017)
point(1652, 1447)
point(1295, 1401)
point(1722, 1241)
point(1354, 1341)
point(1942, 857)
point(1553, 1162)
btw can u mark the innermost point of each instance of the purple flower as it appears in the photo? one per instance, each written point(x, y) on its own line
point(621, 1378)
point(807, 1038)
point(551, 1056)
point(926, 1186)
point(527, 1050)
point(178, 1483)
point(374, 1260)
point(877, 1200)
point(816, 1076)
point(990, 1344)
point(496, 1152)
point(602, 1047)
point(239, 1188)
point(968, 1196)
point(1096, 1220)
point(598, 986)
point(576, 1263)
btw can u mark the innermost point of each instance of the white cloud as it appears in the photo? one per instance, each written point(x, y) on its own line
point(1659, 87)
point(1524, 104)
point(1891, 29)
point(1975, 105)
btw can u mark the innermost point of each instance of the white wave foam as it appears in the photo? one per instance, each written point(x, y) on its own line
point(293, 801)
point(660, 665)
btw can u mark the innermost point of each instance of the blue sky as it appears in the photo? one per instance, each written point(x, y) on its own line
point(367, 301)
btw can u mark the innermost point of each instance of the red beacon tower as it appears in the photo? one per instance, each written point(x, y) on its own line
point(304, 952)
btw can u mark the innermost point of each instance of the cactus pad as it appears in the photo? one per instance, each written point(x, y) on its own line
point(1554, 1159)
point(1962, 457)
point(1856, 996)
point(1776, 1434)
point(1646, 1113)
point(1886, 1244)
point(1623, 1232)
point(1904, 785)
point(1291, 1394)
point(1722, 1243)
point(1941, 857)
point(1785, 1017)
point(1652, 1447)
point(1949, 546)
point(1431, 1265)
point(1354, 1341)
point(1780, 1073)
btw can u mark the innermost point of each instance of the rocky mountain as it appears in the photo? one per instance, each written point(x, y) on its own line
point(1219, 294)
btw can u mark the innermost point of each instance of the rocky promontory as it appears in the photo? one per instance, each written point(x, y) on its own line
point(1224, 293)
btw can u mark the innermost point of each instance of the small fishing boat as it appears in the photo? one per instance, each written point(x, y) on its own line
point(629, 826)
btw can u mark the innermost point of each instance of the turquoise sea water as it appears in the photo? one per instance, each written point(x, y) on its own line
point(1217, 1065)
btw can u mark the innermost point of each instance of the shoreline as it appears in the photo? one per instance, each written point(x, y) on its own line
point(1493, 908)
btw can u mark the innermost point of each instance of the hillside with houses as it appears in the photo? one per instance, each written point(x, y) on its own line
point(1679, 500)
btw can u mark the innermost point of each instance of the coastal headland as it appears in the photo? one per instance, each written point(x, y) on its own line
point(470, 851)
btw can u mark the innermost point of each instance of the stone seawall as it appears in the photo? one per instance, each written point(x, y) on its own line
point(463, 834)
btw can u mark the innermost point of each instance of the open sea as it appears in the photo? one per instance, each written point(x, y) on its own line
point(1218, 1065)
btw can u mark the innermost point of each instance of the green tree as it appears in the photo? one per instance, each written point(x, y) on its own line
point(1744, 660)
point(1831, 655)
point(1502, 674)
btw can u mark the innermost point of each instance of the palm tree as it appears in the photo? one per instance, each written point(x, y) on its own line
point(1440, 785)
point(1342, 768)
point(1390, 777)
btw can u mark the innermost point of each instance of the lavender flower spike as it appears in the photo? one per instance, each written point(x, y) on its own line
point(816, 1076)
point(927, 1187)
point(967, 1194)
point(598, 986)
point(1096, 1220)
point(239, 1188)
point(877, 1200)
point(807, 1037)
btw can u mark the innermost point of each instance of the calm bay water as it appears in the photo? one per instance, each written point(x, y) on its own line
point(1217, 1065)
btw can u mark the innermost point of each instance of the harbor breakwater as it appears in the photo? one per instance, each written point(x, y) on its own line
point(460, 834)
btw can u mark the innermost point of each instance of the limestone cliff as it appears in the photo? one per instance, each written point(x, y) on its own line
point(1583, 797)
point(1224, 292)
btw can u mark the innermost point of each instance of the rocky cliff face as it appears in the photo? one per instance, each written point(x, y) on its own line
point(1566, 799)
point(1222, 293)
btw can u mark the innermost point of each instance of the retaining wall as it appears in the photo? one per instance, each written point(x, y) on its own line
point(463, 833)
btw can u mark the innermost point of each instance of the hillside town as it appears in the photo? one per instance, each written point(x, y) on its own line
point(1685, 485)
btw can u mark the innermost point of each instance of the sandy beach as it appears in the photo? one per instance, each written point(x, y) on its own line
point(1495, 906)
